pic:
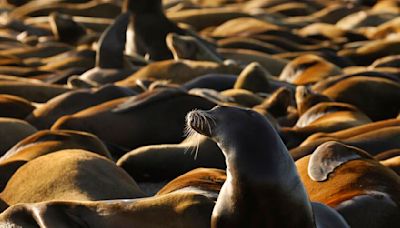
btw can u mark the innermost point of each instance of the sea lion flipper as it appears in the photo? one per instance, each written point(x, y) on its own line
point(329, 156)
point(110, 51)
point(146, 99)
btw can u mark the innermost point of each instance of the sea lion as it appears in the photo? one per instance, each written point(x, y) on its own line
point(148, 28)
point(180, 209)
point(109, 57)
point(218, 82)
point(250, 43)
point(154, 163)
point(306, 99)
point(65, 29)
point(346, 178)
point(201, 179)
point(242, 97)
point(378, 98)
point(178, 72)
point(374, 142)
point(188, 47)
point(15, 107)
point(243, 56)
point(323, 117)
point(69, 175)
point(12, 131)
point(392, 163)
point(254, 78)
point(246, 196)
point(308, 69)
point(36, 92)
point(71, 102)
point(114, 116)
point(45, 142)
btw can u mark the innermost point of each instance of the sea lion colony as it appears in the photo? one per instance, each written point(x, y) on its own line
point(222, 113)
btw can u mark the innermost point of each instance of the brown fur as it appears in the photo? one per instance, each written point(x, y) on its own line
point(69, 175)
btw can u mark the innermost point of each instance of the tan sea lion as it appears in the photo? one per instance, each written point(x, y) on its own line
point(45, 142)
point(178, 72)
point(243, 56)
point(323, 117)
point(180, 209)
point(188, 47)
point(251, 185)
point(392, 163)
point(254, 78)
point(308, 69)
point(346, 178)
point(12, 131)
point(69, 175)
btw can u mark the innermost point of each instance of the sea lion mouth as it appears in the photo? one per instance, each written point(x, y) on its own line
point(201, 122)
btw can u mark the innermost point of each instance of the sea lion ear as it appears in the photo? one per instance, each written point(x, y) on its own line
point(111, 47)
point(331, 155)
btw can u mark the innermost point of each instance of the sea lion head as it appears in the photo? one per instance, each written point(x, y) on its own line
point(224, 125)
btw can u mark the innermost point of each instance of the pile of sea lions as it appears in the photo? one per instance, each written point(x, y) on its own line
point(200, 113)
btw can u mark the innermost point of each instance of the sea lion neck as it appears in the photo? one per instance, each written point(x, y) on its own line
point(262, 174)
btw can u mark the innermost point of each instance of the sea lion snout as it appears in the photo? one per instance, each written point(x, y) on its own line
point(201, 121)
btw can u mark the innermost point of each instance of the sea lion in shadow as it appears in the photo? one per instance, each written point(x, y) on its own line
point(36, 92)
point(346, 178)
point(157, 163)
point(148, 29)
point(12, 131)
point(114, 116)
point(378, 98)
point(69, 175)
point(15, 107)
point(65, 29)
point(109, 57)
point(250, 181)
point(71, 102)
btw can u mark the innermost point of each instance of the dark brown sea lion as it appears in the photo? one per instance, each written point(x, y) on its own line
point(12, 131)
point(252, 184)
point(154, 163)
point(109, 57)
point(71, 102)
point(65, 29)
point(364, 192)
point(218, 82)
point(174, 210)
point(36, 92)
point(15, 107)
point(148, 29)
point(379, 98)
point(114, 116)
point(69, 175)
